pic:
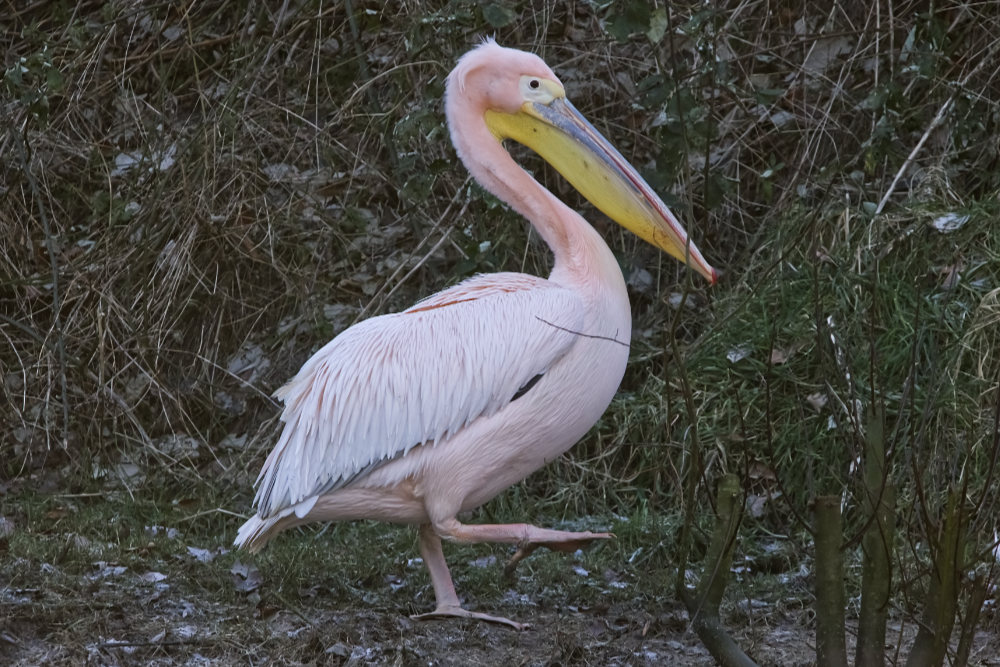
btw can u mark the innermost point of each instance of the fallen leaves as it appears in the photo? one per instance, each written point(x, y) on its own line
point(763, 488)
point(817, 400)
point(206, 555)
point(246, 578)
point(156, 160)
point(105, 570)
point(949, 222)
point(739, 352)
point(778, 355)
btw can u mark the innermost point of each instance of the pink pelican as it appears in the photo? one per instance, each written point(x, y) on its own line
point(414, 417)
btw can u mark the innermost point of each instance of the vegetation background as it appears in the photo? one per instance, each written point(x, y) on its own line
point(197, 196)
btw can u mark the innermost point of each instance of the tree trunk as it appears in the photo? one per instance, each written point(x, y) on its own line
point(703, 605)
point(831, 640)
point(931, 644)
point(878, 504)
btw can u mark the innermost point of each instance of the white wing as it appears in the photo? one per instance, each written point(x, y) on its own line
point(392, 382)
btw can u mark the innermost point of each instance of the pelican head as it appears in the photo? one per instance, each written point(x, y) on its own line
point(525, 101)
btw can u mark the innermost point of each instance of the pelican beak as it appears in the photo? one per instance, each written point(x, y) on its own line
point(566, 140)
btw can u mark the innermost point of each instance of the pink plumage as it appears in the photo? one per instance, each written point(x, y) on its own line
point(416, 416)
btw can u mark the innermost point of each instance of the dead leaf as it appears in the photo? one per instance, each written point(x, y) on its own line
point(246, 578)
point(677, 300)
point(265, 610)
point(755, 505)
point(153, 531)
point(105, 570)
point(185, 608)
point(484, 561)
point(781, 355)
point(152, 577)
point(233, 442)
point(738, 353)
point(339, 649)
point(817, 400)
point(178, 446)
point(949, 222)
point(172, 33)
point(760, 470)
point(56, 513)
point(129, 472)
point(205, 555)
point(824, 52)
point(394, 582)
point(249, 363)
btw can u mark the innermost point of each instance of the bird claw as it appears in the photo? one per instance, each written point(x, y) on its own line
point(578, 541)
point(451, 611)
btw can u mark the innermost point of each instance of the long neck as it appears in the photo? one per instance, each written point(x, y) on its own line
point(490, 164)
point(581, 255)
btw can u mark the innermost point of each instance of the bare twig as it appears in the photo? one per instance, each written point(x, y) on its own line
point(938, 118)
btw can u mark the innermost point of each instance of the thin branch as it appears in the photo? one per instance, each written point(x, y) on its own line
point(938, 118)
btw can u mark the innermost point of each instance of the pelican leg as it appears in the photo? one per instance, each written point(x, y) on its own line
point(444, 589)
point(526, 536)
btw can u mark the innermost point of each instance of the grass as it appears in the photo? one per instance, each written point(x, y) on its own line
point(196, 200)
point(90, 572)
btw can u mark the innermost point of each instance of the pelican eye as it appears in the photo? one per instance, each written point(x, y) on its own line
point(539, 90)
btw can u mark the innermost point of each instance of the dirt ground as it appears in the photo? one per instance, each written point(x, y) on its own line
point(183, 631)
point(118, 579)
point(110, 614)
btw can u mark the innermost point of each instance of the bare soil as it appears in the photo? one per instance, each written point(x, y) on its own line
point(106, 613)
point(116, 626)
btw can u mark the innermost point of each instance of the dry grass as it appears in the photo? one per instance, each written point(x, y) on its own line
point(188, 189)
point(197, 199)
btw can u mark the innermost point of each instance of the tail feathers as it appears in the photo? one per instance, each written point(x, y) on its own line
point(257, 532)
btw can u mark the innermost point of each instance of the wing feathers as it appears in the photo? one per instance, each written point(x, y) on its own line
point(390, 383)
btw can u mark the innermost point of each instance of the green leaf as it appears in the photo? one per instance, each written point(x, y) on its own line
point(768, 95)
point(633, 19)
point(54, 80)
point(498, 15)
point(694, 25)
point(657, 25)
